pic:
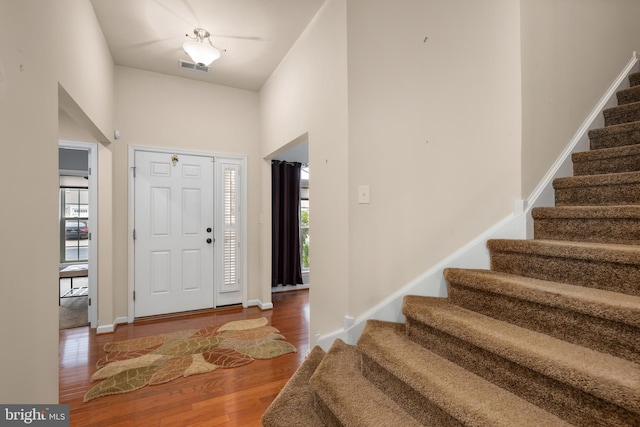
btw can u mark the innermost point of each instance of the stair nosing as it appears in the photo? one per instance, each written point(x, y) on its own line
point(626, 127)
point(585, 369)
point(629, 89)
point(622, 93)
point(606, 153)
point(629, 106)
point(587, 212)
point(610, 304)
point(603, 252)
point(597, 180)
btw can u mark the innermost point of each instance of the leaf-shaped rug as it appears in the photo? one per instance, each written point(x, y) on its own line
point(133, 364)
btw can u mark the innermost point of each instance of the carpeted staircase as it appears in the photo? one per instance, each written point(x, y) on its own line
point(549, 336)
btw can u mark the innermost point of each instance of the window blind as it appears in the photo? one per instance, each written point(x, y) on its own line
point(230, 280)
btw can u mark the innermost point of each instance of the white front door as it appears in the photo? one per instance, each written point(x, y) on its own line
point(173, 226)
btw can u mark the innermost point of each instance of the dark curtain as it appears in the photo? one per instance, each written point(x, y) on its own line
point(285, 228)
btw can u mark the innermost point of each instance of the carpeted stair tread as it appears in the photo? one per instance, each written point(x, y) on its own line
point(607, 160)
point(588, 212)
point(604, 321)
point(629, 95)
point(634, 79)
point(466, 397)
point(600, 252)
point(622, 114)
point(597, 180)
point(607, 377)
point(586, 264)
point(606, 224)
point(608, 305)
point(294, 403)
point(602, 189)
point(349, 397)
point(606, 153)
point(615, 136)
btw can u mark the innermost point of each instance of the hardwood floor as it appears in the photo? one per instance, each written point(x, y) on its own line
point(225, 397)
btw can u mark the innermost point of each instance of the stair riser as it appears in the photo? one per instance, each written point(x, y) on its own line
point(423, 410)
point(614, 165)
point(622, 114)
point(599, 334)
point(601, 195)
point(575, 406)
point(634, 79)
point(628, 96)
point(621, 139)
point(324, 413)
point(602, 230)
point(591, 274)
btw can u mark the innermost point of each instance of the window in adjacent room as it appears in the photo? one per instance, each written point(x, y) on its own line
point(74, 213)
point(304, 218)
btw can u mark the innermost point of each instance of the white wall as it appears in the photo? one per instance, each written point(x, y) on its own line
point(308, 93)
point(162, 111)
point(434, 130)
point(85, 65)
point(29, 76)
point(30, 254)
point(70, 130)
point(572, 50)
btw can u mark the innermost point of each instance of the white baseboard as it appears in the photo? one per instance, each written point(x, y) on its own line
point(261, 305)
point(269, 305)
point(348, 321)
point(287, 288)
point(431, 283)
point(105, 329)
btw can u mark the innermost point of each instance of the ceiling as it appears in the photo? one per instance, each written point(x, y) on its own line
point(257, 34)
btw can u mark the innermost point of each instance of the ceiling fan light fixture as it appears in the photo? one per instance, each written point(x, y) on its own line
point(200, 52)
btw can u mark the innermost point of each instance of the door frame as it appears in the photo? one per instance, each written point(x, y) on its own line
point(92, 149)
point(131, 216)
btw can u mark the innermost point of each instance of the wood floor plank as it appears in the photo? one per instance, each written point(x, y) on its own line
point(225, 397)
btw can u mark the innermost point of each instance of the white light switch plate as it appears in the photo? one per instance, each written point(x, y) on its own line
point(363, 194)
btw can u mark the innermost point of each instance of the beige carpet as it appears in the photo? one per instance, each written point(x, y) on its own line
point(132, 364)
point(74, 312)
point(548, 336)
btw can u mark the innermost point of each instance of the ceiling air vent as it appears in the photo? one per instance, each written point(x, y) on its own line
point(186, 65)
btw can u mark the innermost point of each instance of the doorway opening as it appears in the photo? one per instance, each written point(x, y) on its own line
point(73, 280)
point(77, 217)
point(297, 152)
